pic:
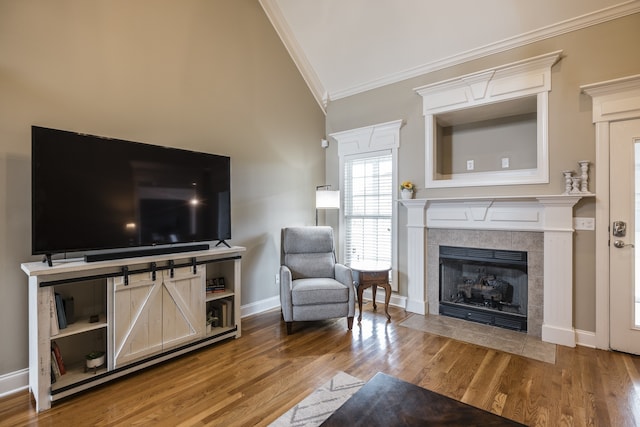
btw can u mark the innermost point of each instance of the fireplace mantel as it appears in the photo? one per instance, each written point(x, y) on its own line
point(550, 214)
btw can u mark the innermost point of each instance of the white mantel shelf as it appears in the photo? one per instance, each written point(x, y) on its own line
point(569, 196)
point(550, 214)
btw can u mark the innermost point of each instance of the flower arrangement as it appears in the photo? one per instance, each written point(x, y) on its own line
point(407, 185)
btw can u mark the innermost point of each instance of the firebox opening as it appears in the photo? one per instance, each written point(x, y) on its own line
point(484, 285)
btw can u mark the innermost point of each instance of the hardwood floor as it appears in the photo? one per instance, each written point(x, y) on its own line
point(254, 379)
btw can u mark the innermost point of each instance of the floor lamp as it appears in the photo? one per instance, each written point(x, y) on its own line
point(326, 198)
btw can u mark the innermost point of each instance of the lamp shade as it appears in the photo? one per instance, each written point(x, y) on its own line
point(327, 199)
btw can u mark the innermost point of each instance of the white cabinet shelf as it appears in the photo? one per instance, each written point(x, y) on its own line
point(212, 296)
point(81, 326)
point(76, 373)
point(150, 309)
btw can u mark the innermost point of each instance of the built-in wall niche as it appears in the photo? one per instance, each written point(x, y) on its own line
point(490, 127)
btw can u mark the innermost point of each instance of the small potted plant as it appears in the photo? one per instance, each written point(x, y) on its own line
point(94, 360)
point(407, 188)
point(212, 321)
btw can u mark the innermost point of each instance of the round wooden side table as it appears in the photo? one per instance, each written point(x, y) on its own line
point(371, 275)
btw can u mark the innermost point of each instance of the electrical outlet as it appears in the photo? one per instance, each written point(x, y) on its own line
point(505, 162)
point(584, 223)
point(277, 279)
point(470, 165)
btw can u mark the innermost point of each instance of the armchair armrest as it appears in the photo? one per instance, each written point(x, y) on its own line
point(344, 275)
point(285, 293)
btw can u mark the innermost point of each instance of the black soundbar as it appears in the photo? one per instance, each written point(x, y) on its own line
point(134, 253)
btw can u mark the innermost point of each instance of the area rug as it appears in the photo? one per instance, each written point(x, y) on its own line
point(484, 335)
point(317, 407)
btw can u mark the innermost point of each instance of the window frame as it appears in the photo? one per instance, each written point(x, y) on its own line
point(343, 217)
point(370, 141)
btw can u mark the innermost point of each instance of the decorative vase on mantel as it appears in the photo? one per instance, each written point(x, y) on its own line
point(406, 194)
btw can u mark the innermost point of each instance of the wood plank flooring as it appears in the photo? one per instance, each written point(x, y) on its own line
point(253, 380)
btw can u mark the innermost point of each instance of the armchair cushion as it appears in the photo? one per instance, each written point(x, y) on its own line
point(308, 251)
point(319, 290)
point(310, 265)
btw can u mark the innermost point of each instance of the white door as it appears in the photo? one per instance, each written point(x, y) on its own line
point(623, 255)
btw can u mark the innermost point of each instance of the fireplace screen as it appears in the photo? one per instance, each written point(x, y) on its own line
point(484, 285)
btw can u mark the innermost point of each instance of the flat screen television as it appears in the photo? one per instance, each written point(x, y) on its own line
point(91, 193)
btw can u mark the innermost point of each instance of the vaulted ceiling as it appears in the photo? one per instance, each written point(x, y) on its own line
point(343, 47)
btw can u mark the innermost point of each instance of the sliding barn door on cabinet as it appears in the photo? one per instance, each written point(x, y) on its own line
point(151, 316)
point(183, 316)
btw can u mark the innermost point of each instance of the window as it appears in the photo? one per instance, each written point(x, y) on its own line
point(369, 183)
point(368, 208)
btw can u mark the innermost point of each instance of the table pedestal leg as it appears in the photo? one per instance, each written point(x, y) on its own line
point(360, 290)
point(374, 288)
point(387, 297)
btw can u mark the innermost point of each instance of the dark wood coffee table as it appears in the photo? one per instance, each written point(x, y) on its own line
point(388, 401)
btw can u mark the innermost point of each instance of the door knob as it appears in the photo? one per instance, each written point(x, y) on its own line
point(621, 244)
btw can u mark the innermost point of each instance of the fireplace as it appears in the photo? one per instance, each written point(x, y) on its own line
point(540, 225)
point(484, 285)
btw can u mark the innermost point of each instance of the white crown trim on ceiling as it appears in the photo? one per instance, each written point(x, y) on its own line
point(283, 30)
point(323, 97)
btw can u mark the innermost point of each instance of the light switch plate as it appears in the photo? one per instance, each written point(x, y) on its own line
point(581, 223)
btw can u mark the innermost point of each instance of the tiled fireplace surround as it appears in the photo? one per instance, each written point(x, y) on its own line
point(531, 242)
point(540, 225)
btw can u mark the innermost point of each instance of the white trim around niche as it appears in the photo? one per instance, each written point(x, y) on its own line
point(494, 92)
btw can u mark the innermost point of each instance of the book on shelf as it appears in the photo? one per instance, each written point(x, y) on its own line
point(223, 314)
point(229, 312)
point(223, 311)
point(53, 375)
point(62, 319)
point(58, 357)
point(55, 370)
point(68, 305)
point(53, 314)
point(215, 285)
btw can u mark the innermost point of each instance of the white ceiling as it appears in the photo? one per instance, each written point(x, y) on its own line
point(343, 47)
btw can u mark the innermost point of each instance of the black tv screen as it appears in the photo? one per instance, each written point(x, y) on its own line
point(94, 193)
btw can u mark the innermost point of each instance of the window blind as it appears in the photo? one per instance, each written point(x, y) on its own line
point(368, 208)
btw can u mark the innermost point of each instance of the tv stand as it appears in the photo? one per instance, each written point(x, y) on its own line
point(222, 242)
point(133, 312)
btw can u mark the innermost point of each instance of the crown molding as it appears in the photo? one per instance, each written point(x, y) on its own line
point(569, 25)
point(279, 23)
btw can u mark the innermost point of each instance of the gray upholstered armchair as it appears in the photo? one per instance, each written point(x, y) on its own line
point(312, 285)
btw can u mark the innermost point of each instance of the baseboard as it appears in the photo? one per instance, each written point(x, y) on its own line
point(260, 306)
point(395, 300)
point(14, 382)
point(274, 302)
point(586, 338)
point(558, 335)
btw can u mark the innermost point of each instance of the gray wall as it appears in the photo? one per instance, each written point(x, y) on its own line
point(486, 143)
point(206, 75)
point(598, 53)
